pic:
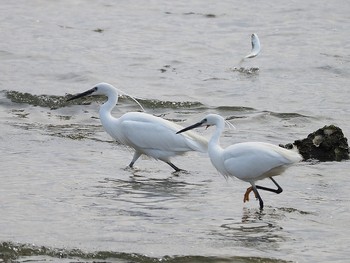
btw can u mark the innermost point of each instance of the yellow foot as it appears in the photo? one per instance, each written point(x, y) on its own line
point(246, 194)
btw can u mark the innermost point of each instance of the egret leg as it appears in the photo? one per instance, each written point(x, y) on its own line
point(177, 169)
point(134, 159)
point(261, 202)
point(277, 191)
point(255, 188)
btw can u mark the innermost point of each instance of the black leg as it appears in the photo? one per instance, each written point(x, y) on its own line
point(134, 159)
point(261, 202)
point(277, 191)
point(174, 166)
point(257, 195)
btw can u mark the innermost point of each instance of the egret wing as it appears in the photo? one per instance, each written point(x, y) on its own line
point(157, 137)
point(255, 160)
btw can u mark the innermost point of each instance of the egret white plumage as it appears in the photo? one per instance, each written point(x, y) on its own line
point(248, 161)
point(147, 134)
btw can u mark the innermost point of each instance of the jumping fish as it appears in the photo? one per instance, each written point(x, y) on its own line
point(255, 46)
point(253, 53)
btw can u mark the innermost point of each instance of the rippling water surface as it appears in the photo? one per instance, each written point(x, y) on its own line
point(66, 194)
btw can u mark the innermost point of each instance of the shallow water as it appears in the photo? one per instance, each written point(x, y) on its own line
point(66, 195)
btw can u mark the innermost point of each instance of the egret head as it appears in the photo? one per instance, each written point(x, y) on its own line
point(104, 89)
point(99, 89)
point(209, 120)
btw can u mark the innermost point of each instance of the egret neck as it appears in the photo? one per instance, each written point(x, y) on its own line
point(106, 117)
point(214, 148)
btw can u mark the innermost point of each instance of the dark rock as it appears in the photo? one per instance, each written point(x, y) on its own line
point(325, 144)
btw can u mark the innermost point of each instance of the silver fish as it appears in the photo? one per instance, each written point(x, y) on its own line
point(255, 47)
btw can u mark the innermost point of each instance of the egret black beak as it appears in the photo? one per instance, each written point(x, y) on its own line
point(198, 124)
point(88, 92)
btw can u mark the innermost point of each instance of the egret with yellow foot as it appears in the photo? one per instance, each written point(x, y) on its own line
point(248, 161)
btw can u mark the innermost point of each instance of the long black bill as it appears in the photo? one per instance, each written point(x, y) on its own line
point(88, 92)
point(198, 124)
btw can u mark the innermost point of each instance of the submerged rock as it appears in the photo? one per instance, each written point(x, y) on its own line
point(325, 144)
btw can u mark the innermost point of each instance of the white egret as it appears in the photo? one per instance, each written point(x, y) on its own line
point(248, 161)
point(147, 134)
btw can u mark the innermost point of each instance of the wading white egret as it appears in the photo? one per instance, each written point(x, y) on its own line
point(248, 161)
point(147, 134)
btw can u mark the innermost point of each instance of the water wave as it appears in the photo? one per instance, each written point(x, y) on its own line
point(10, 252)
point(246, 71)
point(45, 101)
point(287, 115)
point(55, 102)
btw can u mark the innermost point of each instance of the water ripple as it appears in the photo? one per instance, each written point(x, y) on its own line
point(32, 253)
